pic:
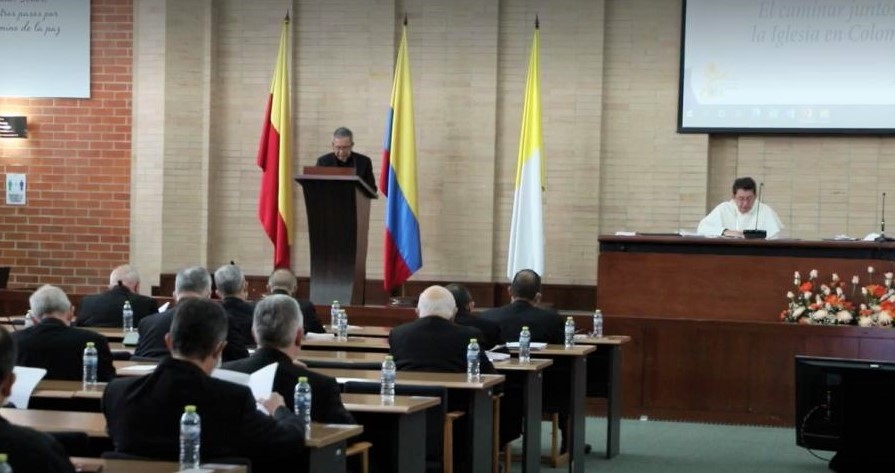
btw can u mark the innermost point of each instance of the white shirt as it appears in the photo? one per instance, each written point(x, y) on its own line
point(726, 216)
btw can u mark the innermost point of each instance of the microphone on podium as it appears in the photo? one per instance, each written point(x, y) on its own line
point(756, 233)
point(882, 224)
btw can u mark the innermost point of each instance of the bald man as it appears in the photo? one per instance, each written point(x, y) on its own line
point(434, 342)
point(104, 310)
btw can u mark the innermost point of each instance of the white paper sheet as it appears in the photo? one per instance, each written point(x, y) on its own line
point(260, 382)
point(534, 345)
point(26, 380)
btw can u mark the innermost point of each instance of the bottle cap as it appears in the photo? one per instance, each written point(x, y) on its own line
point(90, 345)
point(127, 303)
point(3, 458)
point(389, 357)
point(302, 379)
point(473, 340)
point(189, 408)
point(569, 318)
point(525, 327)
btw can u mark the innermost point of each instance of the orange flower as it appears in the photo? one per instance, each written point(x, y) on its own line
point(806, 287)
point(876, 290)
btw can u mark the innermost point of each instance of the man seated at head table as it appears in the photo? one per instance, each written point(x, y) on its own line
point(104, 310)
point(433, 342)
point(231, 287)
point(282, 281)
point(278, 331)
point(54, 345)
point(731, 218)
point(27, 450)
point(143, 413)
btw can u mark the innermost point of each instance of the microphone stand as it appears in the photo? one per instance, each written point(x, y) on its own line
point(882, 224)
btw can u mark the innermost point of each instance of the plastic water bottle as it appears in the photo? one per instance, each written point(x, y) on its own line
point(4, 466)
point(342, 326)
point(127, 317)
point(387, 378)
point(190, 438)
point(334, 314)
point(524, 345)
point(29, 321)
point(598, 324)
point(91, 360)
point(570, 333)
point(303, 403)
point(473, 370)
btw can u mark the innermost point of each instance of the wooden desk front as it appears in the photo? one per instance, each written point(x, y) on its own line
point(719, 278)
point(141, 466)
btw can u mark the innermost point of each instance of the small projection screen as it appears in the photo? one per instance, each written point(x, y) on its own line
point(787, 66)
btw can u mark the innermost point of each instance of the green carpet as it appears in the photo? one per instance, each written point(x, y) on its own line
point(655, 446)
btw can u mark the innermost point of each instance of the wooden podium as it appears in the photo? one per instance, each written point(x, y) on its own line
point(338, 207)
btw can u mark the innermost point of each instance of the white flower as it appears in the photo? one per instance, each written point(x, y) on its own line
point(883, 319)
point(826, 290)
point(855, 280)
point(797, 275)
point(790, 295)
point(839, 292)
point(889, 275)
point(864, 291)
point(835, 277)
point(870, 269)
point(798, 312)
point(797, 282)
point(820, 315)
point(863, 306)
point(843, 317)
point(813, 274)
point(865, 322)
point(828, 306)
point(807, 295)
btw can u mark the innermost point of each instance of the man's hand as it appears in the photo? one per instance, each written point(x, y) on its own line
point(273, 402)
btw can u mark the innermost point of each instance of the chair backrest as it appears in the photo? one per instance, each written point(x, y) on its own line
point(435, 416)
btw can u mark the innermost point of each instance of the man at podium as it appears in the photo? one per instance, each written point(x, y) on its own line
point(343, 156)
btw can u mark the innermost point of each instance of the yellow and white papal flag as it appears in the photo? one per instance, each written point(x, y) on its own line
point(526, 249)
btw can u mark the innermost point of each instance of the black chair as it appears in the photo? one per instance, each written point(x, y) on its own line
point(76, 444)
point(439, 422)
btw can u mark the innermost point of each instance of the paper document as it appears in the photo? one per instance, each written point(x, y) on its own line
point(497, 356)
point(137, 369)
point(26, 380)
point(164, 307)
point(260, 382)
point(319, 336)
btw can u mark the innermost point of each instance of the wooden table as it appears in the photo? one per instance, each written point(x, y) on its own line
point(610, 383)
point(363, 331)
point(326, 446)
point(479, 411)
point(397, 429)
point(349, 359)
point(142, 466)
point(576, 358)
point(353, 344)
point(533, 377)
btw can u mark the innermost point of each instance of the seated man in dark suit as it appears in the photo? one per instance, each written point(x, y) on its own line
point(278, 330)
point(282, 281)
point(433, 342)
point(27, 449)
point(190, 283)
point(545, 326)
point(54, 345)
point(143, 413)
point(231, 286)
point(104, 310)
point(464, 316)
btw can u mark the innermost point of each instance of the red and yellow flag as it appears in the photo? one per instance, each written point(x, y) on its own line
point(275, 160)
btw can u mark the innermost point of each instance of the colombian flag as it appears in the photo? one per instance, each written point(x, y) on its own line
point(527, 227)
point(402, 256)
point(275, 160)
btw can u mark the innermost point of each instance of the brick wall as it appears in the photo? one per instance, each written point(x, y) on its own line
point(76, 224)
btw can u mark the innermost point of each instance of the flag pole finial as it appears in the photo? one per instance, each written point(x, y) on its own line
point(286, 19)
point(405, 19)
point(537, 22)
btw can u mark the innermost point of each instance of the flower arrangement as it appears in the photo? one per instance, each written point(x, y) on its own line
point(836, 302)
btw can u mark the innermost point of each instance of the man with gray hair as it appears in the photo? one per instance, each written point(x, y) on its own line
point(282, 281)
point(433, 342)
point(53, 344)
point(277, 328)
point(343, 156)
point(231, 287)
point(190, 283)
point(27, 449)
point(104, 310)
